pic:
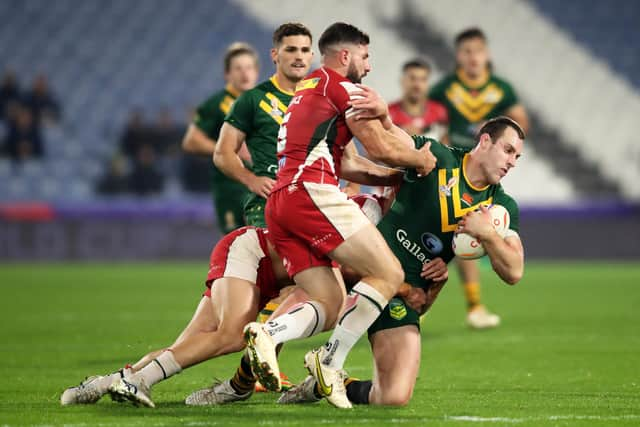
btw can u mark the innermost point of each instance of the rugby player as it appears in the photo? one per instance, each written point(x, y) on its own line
point(414, 111)
point(240, 73)
point(245, 272)
point(312, 223)
point(473, 94)
point(419, 227)
point(256, 116)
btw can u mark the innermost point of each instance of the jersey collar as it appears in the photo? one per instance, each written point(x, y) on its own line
point(464, 174)
point(274, 81)
point(471, 85)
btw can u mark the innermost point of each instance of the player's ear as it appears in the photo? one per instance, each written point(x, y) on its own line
point(345, 56)
point(485, 140)
point(274, 55)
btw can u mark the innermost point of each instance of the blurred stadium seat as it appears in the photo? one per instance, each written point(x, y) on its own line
point(108, 58)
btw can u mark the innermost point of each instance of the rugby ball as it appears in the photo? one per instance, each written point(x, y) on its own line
point(467, 247)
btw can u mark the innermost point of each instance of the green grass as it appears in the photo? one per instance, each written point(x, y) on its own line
point(567, 353)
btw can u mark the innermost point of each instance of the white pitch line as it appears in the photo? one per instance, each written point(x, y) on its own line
point(474, 419)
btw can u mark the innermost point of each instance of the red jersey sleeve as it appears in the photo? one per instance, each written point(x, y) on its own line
point(340, 93)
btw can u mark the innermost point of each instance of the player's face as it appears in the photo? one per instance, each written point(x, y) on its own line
point(359, 65)
point(415, 83)
point(472, 56)
point(243, 72)
point(293, 57)
point(502, 155)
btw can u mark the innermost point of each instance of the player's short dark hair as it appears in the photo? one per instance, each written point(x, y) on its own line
point(470, 33)
point(237, 49)
point(495, 128)
point(341, 32)
point(416, 63)
point(290, 29)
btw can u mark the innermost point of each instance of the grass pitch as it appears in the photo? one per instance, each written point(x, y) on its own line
point(567, 353)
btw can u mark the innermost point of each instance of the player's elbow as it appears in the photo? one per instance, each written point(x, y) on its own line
point(188, 144)
point(513, 276)
point(219, 157)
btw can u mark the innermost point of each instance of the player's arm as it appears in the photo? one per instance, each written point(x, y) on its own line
point(370, 105)
point(506, 254)
point(356, 168)
point(227, 159)
point(384, 146)
point(518, 113)
point(195, 141)
point(419, 299)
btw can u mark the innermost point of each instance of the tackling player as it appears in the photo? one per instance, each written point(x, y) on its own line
point(312, 223)
point(256, 116)
point(240, 73)
point(472, 95)
point(419, 228)
point(245, 272)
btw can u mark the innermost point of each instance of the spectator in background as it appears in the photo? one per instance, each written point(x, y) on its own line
point(167, 134)
point(115, 181)
point(145, 179)
point(136, 134)
point(23, 138)
point(42, 103)
point(9, 93)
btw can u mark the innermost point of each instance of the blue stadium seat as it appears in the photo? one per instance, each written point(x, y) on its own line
point(105, 58)
point(610, 30)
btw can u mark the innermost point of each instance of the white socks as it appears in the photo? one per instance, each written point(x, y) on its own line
point(364, 305)
point(106, 380)
point(160, 368)
point(301, 321)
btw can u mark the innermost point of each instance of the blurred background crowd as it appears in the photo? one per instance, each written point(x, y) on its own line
point(95, 97)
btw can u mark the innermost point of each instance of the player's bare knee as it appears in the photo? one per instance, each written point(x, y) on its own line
point(232, 342)
point(396, 397)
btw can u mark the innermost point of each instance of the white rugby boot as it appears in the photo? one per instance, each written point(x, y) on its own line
point(132, 389)
point(481, 318)
point(91, 389)
point(330, 381)
point(218, 394)
point(301, 393)
point(263, 356)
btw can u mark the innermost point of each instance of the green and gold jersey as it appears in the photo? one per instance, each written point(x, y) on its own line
point(421, 221)
point(468, 105)
point(209, 119)
point(258, 113)
point(228, 194)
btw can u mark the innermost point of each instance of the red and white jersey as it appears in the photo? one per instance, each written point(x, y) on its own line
point(434, 113)
point(371, 205)
point(314, 132)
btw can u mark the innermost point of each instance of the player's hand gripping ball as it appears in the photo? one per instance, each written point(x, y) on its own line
point(466, 246)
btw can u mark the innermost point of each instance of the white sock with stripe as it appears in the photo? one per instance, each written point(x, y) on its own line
point(364, 305)
point(301, 321)
point(160, 368)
